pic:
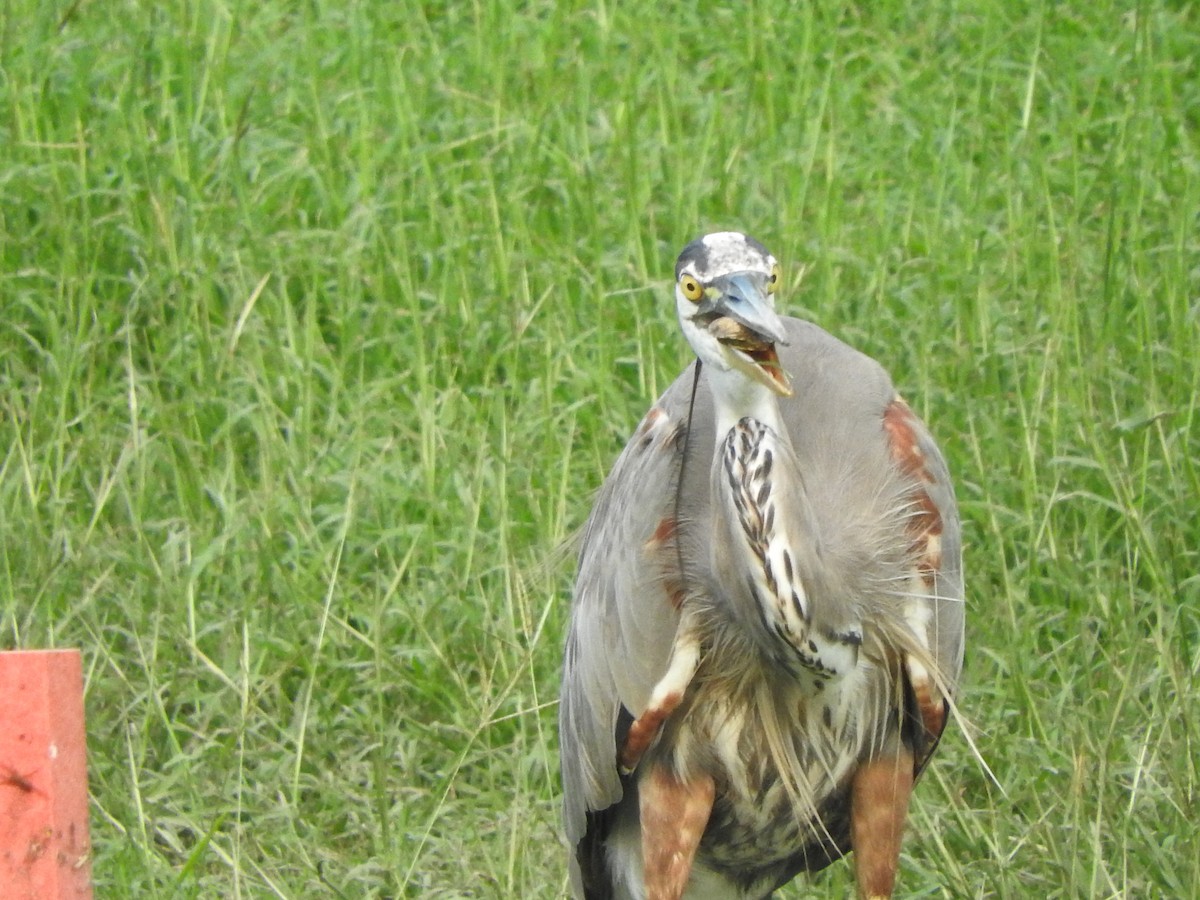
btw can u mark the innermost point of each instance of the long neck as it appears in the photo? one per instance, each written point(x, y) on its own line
point(767, 554)
point(736, 397)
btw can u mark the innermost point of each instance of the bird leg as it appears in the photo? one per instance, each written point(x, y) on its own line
point(878, 808)
point(674, 815)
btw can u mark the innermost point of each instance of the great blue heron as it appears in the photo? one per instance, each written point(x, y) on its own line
point(768, 616)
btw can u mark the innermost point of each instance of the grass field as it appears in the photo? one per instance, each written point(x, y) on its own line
point(322, 322)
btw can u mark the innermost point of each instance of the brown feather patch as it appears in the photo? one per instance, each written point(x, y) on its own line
point(657, 431)
point(925, 525)
point(648, 421)
point(674, 814)
point(929, 702)
point(878, 808)
point(645, 729)
point(663, 533)
point(661, 545)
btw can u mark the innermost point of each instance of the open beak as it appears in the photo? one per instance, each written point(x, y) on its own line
point(740, 317)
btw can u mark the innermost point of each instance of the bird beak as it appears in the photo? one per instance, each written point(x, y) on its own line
point(741, 318)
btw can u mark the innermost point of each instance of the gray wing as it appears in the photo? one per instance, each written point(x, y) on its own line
point(628, 584)
point(856, 440)
point(842, 398)
point(628, 591)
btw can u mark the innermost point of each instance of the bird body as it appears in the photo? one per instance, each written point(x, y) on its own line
point(767, 622)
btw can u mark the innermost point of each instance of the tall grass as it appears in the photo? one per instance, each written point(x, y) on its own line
point(322, 323)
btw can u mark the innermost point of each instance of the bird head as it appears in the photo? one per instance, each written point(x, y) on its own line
point(724, 287)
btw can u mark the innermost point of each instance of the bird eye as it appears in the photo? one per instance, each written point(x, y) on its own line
point(691, 288)
point(773, 280)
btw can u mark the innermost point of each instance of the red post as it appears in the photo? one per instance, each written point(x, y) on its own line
point(45, 853)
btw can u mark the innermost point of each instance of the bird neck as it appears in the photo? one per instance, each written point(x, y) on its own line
point(736, 397)
point(767, 555)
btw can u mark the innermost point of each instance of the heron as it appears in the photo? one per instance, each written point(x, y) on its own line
point(767, 626)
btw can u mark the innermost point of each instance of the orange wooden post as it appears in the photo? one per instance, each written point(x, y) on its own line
point(45, 853)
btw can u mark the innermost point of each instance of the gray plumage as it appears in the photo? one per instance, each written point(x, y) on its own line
point(800, 570)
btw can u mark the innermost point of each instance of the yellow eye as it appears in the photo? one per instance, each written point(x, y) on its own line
point(773, 280)
point(691, 288)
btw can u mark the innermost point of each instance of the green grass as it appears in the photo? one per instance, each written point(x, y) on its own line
point(322, 323)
